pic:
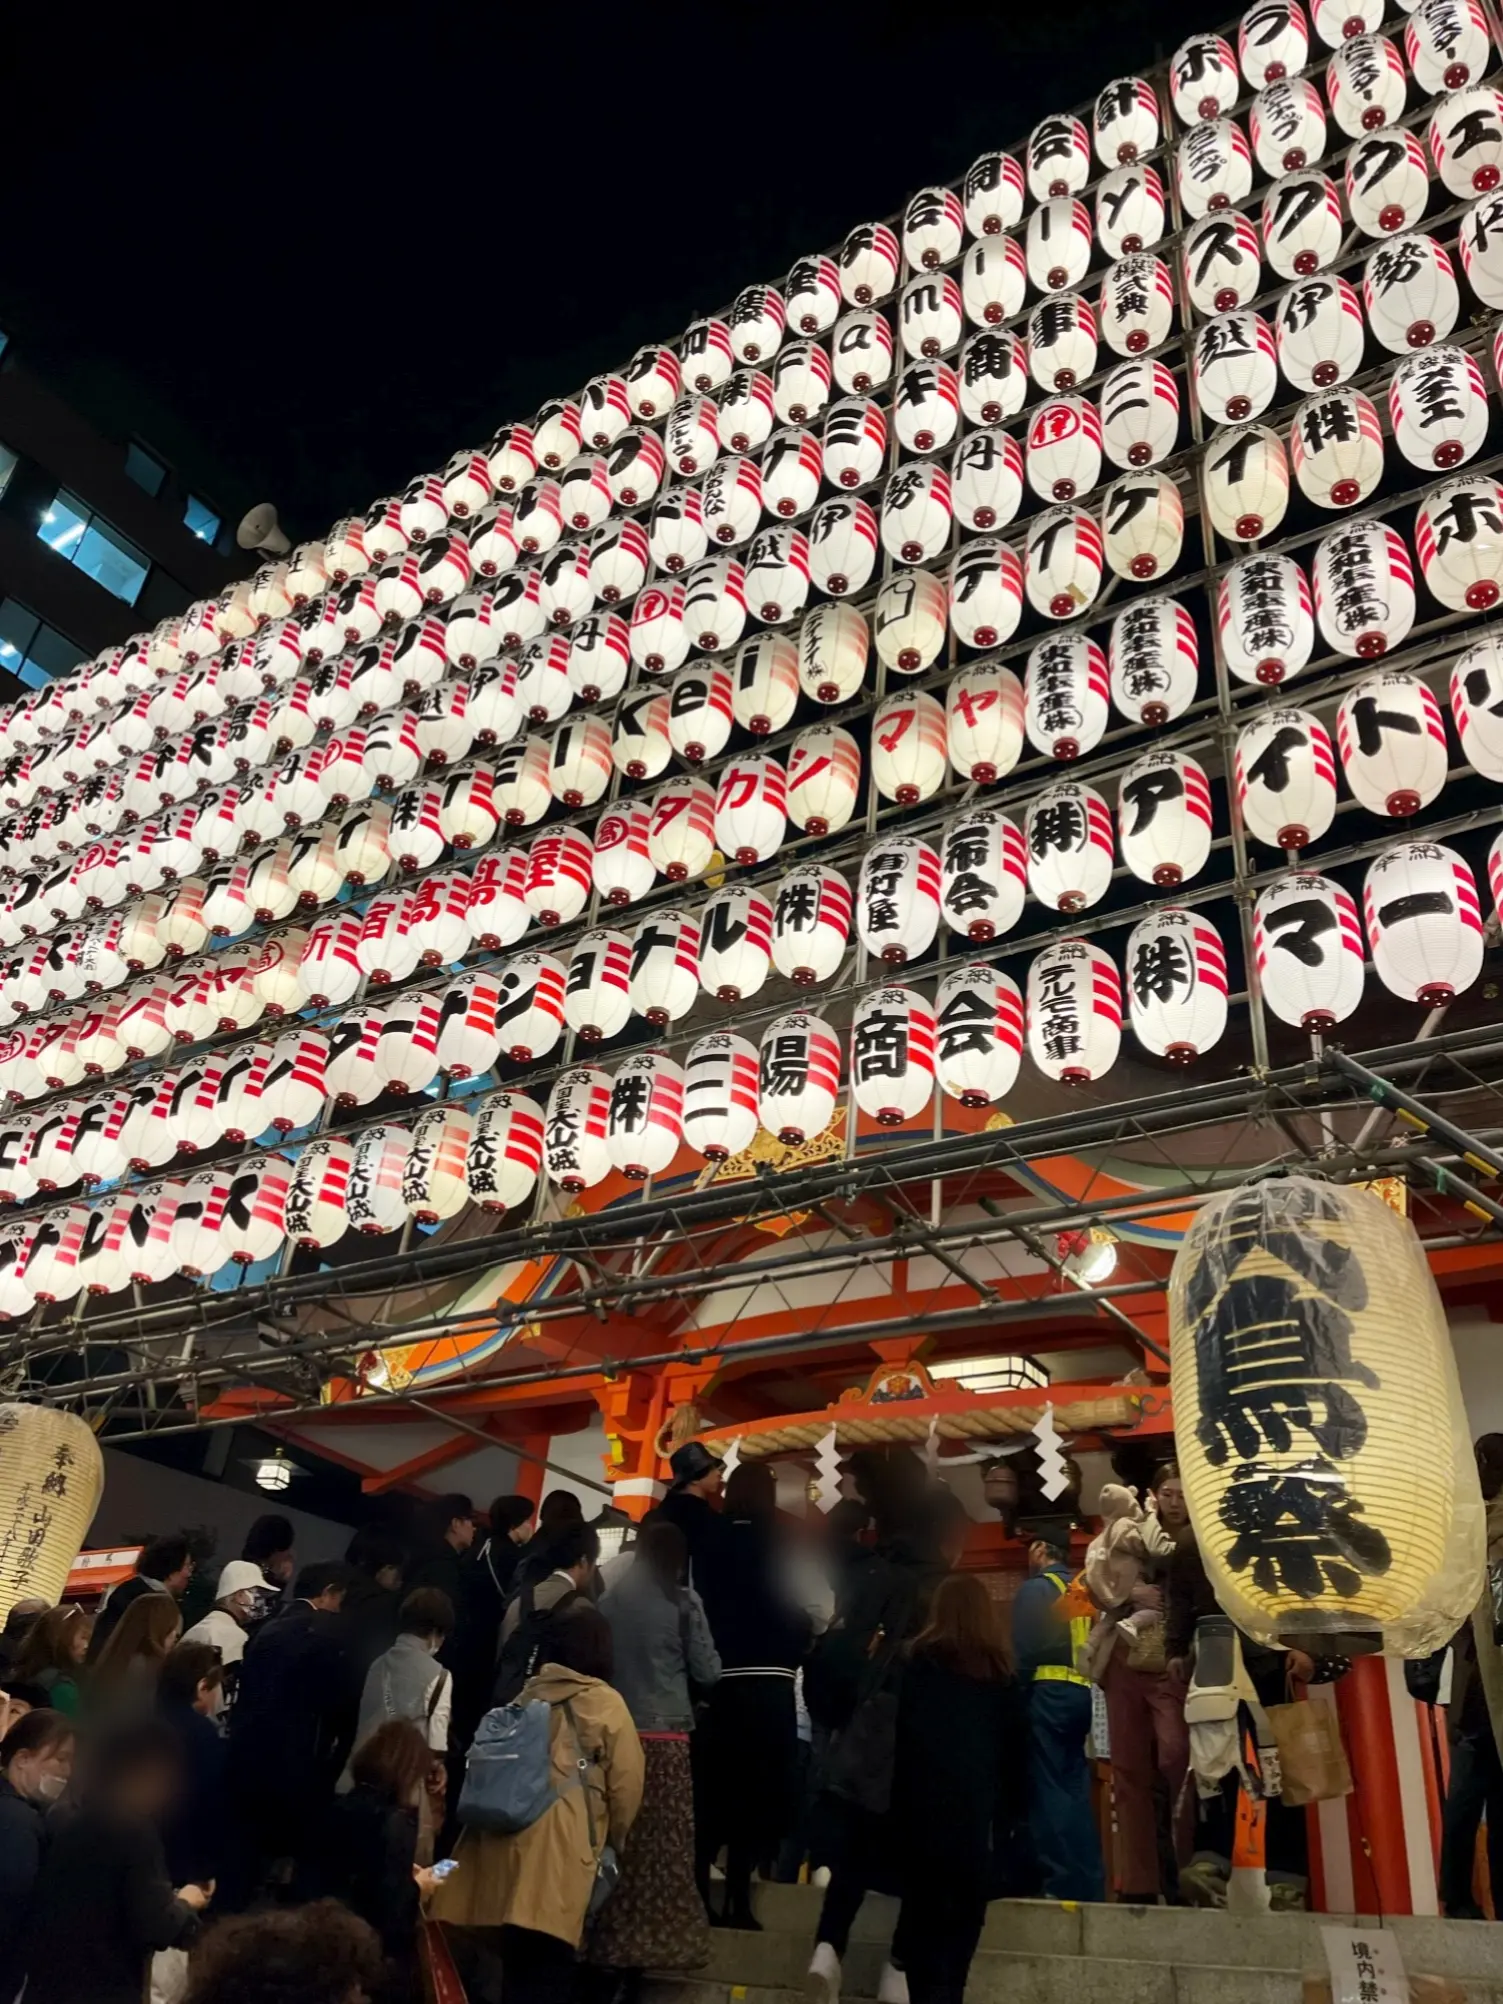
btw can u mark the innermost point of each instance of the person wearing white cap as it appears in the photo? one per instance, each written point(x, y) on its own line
point(233, 1611)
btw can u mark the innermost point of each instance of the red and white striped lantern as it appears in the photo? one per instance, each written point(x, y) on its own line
point(622, 866)
point(1164, 817)
point(505, 1153)
point(984, 712)
point(720, 1095)
point(1466, 140)
point(373, 1194)
point(1235, 366)
point(664, 981)
point(1154, 660)
point(597, 999)
point(984, 875)
point(1265, 617)
point(1285, 776)
point(1366, 84)
point(1130, 209)
point(992, 194)
point(645, 1119)
point(1387, 181)
point(824, 779)
point(1068, 829)
point(1287, 121)
point(1213, 167)
point(1336, 447)
point(434, 1185)
point(1176, 984)
point(1246, 483)
point(869, 261)
point(1074, 1012)
point(993, 281)
point(811, 923)
point(681, 831)
point(1458, 531)
point(557, 885)
point(1321, 333)
point(978, 1035)
point(909, 622)
point(530, 1012)
point(1307, 945)
point(1065, 695)
point(1477, 706)
point(735, 943)
point(1364, 589)
point(908, 747)
point(1424, 922)
point(798, 1077)
point(898, 899)
point(1392, 741)
point(892, 1055)
point(1410, 292)
point(1142, 525)
point(317, 1193)
point(469, 1041)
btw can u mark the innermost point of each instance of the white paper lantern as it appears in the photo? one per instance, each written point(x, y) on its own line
point(715, 603)
point(1246, 483)
point(1410, 292)
point(824, 779)
point(575, 1151)
point(868, 263)
point(642, 748)
point(253, 1226)
point(1065, 691)
point(978, 1035)
point(992, 193)
point(992, 384)
point(1154, 660)
point(1364, 589)
point(892, 1055)
point(1235, 367)
point(1392, 741)
point(1142, 525)
point(1480, 241)
point(908, 747)
point(1424, 922)
point(433, 1185)
point(1366, 85)
point(1063, 562)
point(1321, 335)
point(720, 1095)
point(1213, 166)
point(1074, 1012)
point(1130, 209)
point(1265, 618)
point(1336, 445)
point(1477, 706)
point(496, 915)
point(798, 1077)
point(897, 901)
point(1287, 122)
point(317, 1193)
point(664, 980)
point(909, 621)
point(622, 866)
point(530, 1013)
point(833, 643)
point(1125, 121)
point(984, 722)
point(681, 834)
point(1387, 182)
point(811, 923)
point(1466, 140)
point(984, 862)
point(1059, 243)
point(1068, 829)
point(644, 1124)
point(917, 517)
point(1164, 817)
point(1285, 776)
point(735, 943)
point(505, 1152)
point(1176, 984)
point(519, 783)
point(1458, 531)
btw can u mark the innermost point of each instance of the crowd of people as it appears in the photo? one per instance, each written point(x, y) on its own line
point(295, 1797)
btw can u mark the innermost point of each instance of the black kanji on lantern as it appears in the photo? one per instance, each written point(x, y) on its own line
point(1160, 966)
point(1467, 511)
point(1146, 792)
point(879, 1046)
point(1057, 824)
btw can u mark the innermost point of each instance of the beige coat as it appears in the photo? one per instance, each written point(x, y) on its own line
point(541, 1878)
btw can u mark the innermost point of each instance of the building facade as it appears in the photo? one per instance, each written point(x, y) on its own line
point(100, 535)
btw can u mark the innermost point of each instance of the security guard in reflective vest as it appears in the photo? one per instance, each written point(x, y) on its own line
point(1049, 1650)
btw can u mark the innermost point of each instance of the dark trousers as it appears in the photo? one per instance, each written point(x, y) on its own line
point(940, 1924)
point(1476, 1784)
point(536, 1968)
point(861, 1862)
point(1063, 1828)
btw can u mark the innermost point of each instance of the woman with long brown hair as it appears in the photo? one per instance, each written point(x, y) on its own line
point(52, 1656)
point(961, 1750)
point(125, 1673)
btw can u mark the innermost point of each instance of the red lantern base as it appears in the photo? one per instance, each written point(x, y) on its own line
point(894, 956)
point(1373, 117)
point(1139, 452)
point(1064, 379)
point(790, 1136)
point(889, 1117)
point(1249, 528)
point(1319, 1020)
point(981, 930)
point(1144, 566)
point(1294, 835)
point(804, 977)
point(1294, 159)
point(1137, 341)
point(974, 1100)
point(1063, 489)
point(1390, 218)
point(1075, 1075)
point(983, 518)
point(1168, 873)
point(1345, 492)
point(1482, 594)
point(1448, 454)
point(1420, 333)
point(1181, 1054)
point(590, 1033)
point(1485, 179)
point(1154, 713)
point(1132, 243)
point(1324, 374)
point(657, 1017)
point(1403, 803)
point(1062, 605)
point(984, 773)
point(1072, 901)
point(1436, 994)
point(727, 992)
point(1226, 297)
point(1371, 645)
point(817, 825)
point(1238, 408)
point(1066, 749)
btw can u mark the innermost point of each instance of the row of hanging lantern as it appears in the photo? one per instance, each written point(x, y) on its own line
point(1389, 731)
point(1423, 925)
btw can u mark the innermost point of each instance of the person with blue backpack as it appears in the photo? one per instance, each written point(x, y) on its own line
point(552, 1787)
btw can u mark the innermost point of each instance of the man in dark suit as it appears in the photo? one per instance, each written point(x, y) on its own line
point(291, 1729)
point(164, 1566)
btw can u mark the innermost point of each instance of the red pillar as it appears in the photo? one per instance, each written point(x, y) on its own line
point(1381, 1880)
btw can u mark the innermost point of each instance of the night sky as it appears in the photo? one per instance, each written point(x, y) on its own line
point(339, 250)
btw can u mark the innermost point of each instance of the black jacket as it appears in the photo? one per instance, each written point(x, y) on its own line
point(369, 1615)
point(365, 1860)
point(23, 1839)
point(108, 1618)
point(880, 1604)
point(442, 1567)
point(103, 1905)
point(698, 1521)
point(295, 1712)
point(958, 1772)
point(741, 1581)
point(488, 1577)
point(194, 1835)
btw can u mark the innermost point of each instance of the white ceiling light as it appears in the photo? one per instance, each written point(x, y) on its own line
point(992, 1374)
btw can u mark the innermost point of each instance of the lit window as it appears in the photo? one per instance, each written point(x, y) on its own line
point(201, 519)
point(30, 651)
point(98, 550)
point(7, 466)
point(146, 471)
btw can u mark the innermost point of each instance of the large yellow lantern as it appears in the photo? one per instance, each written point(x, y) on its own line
point(51, 1477)
point(1319, 1424)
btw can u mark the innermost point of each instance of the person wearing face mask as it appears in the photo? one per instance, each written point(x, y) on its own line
point(190, 1698)
point(36, 1759)
point(236, 1605)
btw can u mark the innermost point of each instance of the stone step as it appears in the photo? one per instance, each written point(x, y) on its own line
point(1086, 1954)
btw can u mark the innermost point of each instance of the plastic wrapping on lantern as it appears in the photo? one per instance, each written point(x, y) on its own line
point(1364, 589)
point(1065, 696)
point(1314, 1539)
point(1074, 1012)
point(506, 1151)
point(1285, 777)
point(984, 880)
point(811, 923)
point(1175, 973)
point(1424, 922)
